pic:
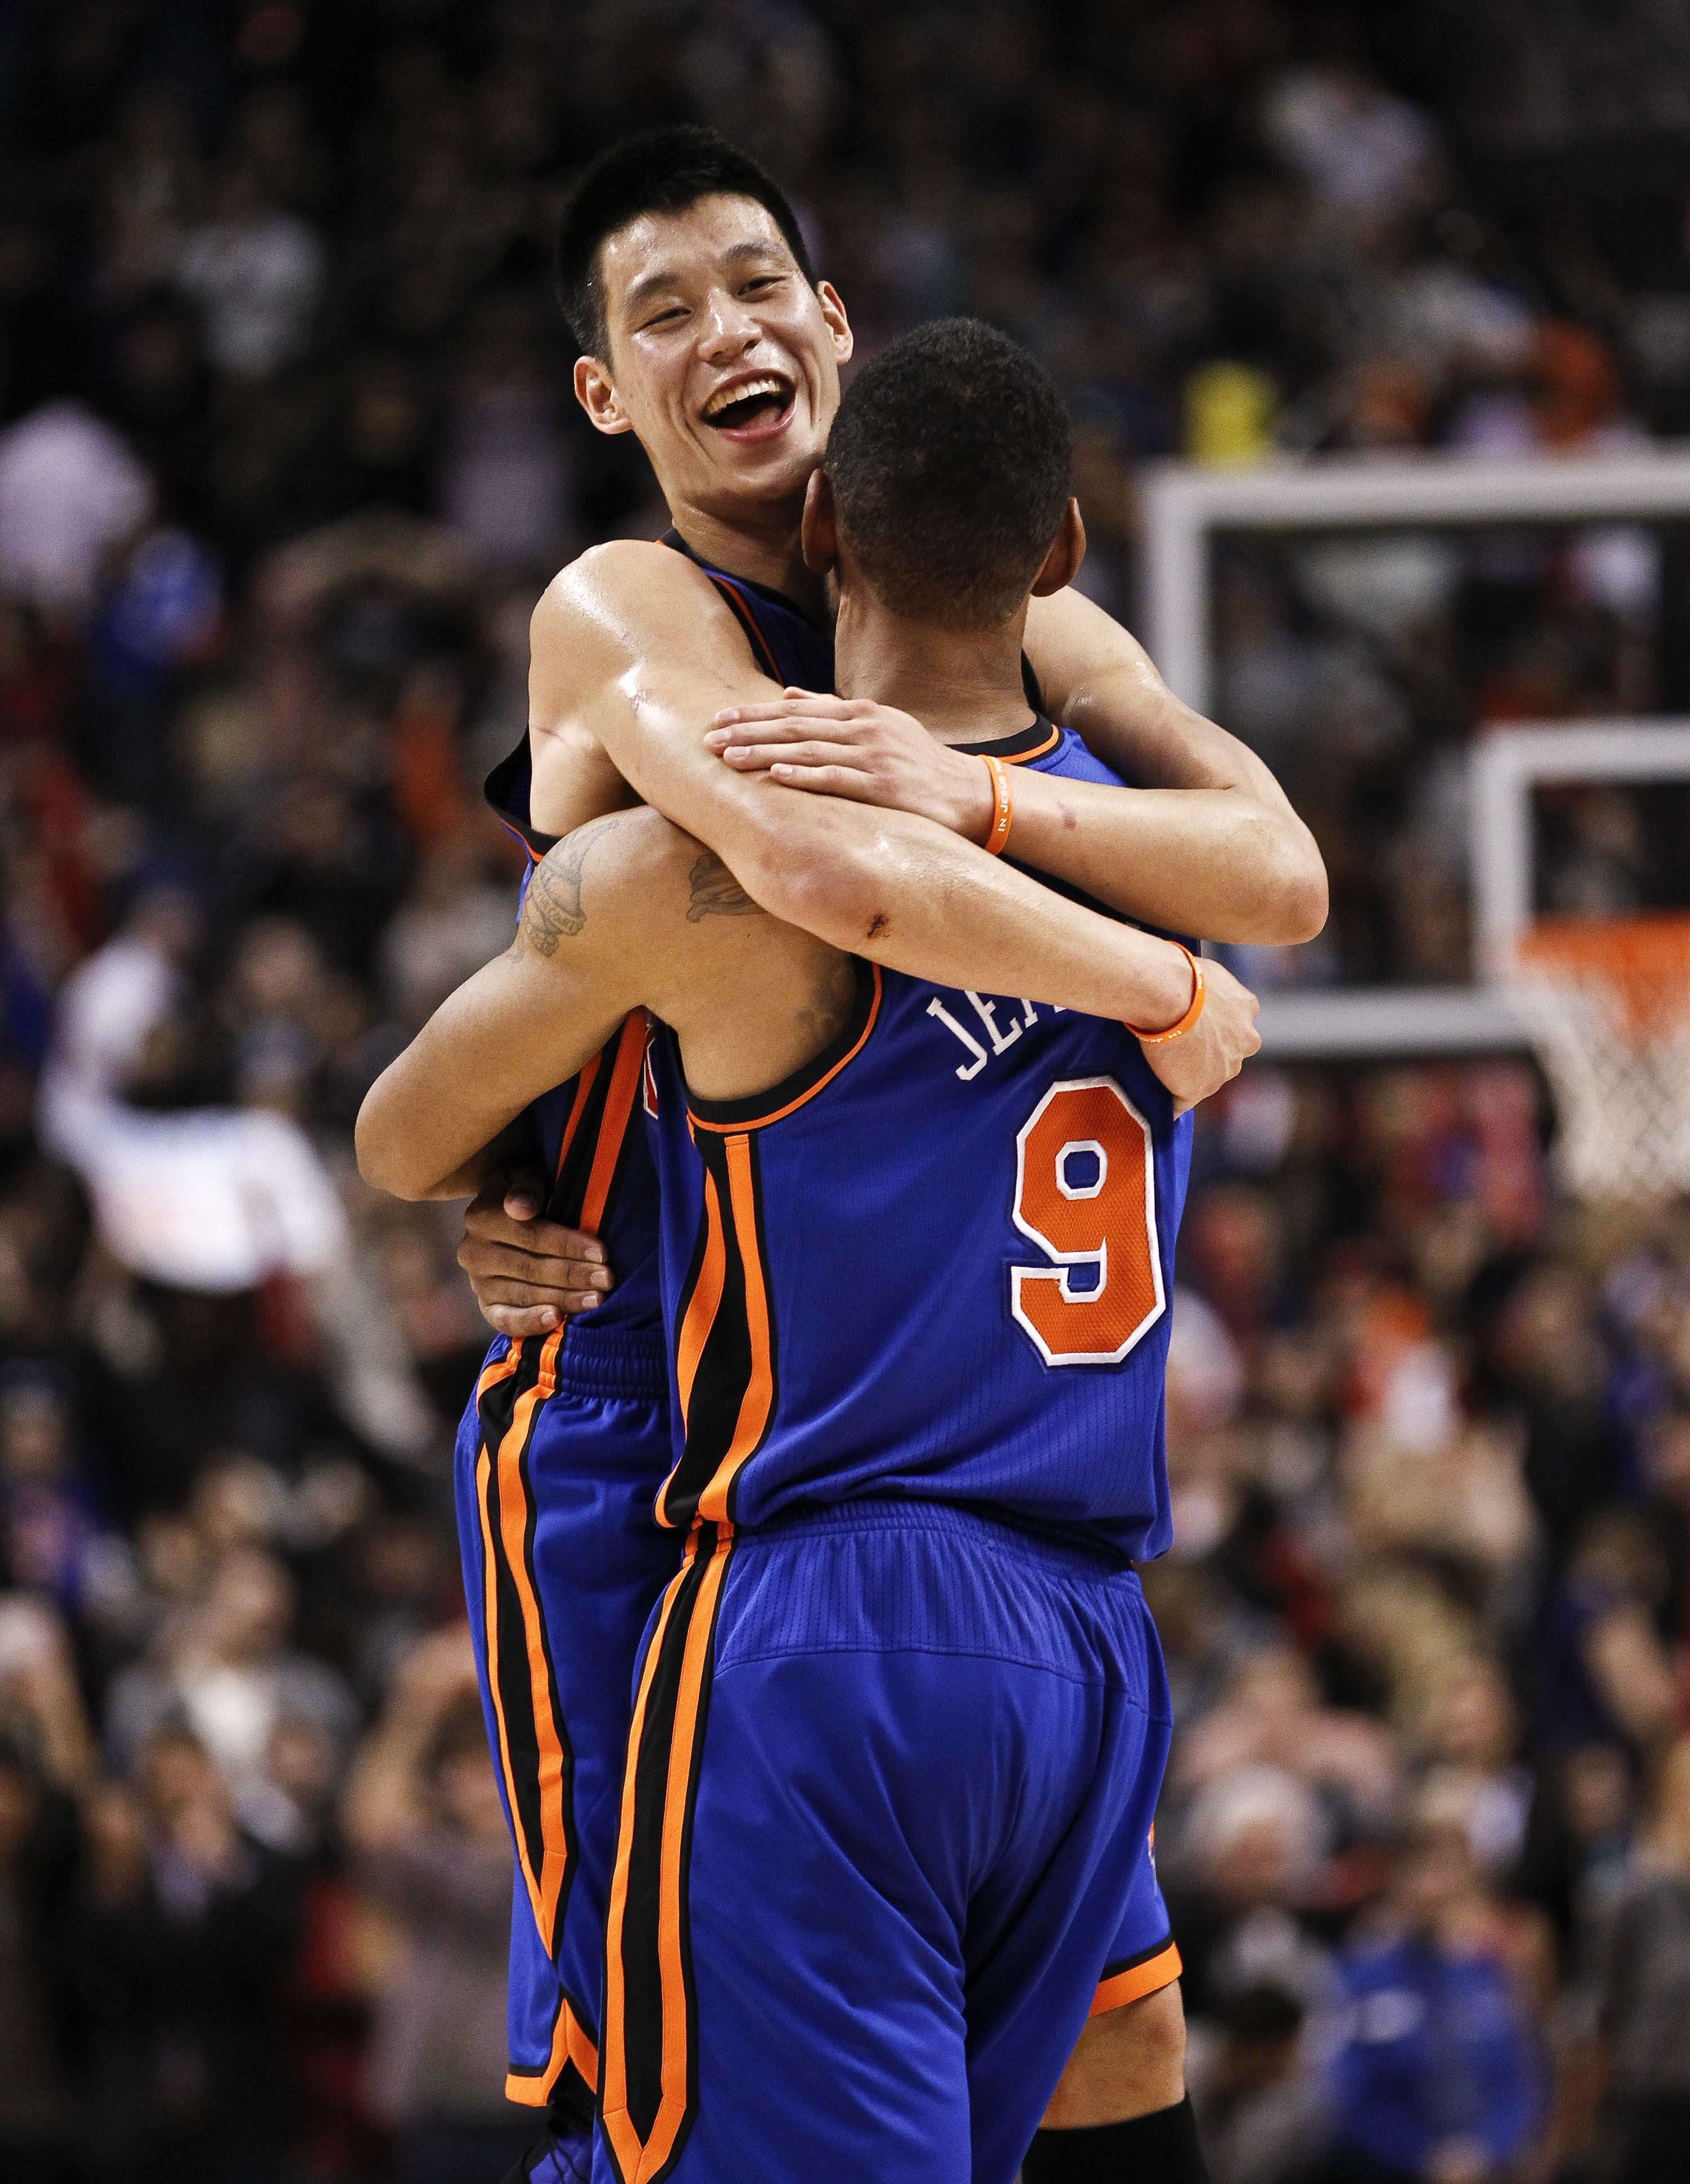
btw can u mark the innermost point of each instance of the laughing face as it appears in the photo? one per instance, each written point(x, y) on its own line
point(722, 361)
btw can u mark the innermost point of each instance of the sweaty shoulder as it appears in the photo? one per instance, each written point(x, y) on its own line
point(1071, 641)
point(644, 599)
point(630, 637)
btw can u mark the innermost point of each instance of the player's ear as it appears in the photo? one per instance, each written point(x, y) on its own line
point(820, 534)
point(597, 396)
point(833, 310)
point(1067, 551)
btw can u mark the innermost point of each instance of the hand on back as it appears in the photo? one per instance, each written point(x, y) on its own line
point(528, 1274)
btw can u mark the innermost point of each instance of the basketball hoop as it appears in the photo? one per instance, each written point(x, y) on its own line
point(1607, 1001)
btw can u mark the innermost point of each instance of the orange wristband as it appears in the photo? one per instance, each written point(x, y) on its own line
point(1000, 805)
point(1178, 1030)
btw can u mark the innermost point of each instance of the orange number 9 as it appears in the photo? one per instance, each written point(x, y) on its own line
point(1085, 1193)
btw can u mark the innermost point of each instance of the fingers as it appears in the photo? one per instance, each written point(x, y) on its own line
point(550, 1239)
point(521, 1326)
point(540, 1310)
point(847, 781)
point(518, 1193)
point(561, 1282)
point(788, 735)
point(791, 703)
point(753, 758)
point(787, 726)
point(562, 1285)
point(763, 733)
point(501, 1274)
point(747, 755)
point(541, 1239)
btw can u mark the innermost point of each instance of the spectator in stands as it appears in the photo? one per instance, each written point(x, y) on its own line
point(1644, 1989)
point(40, 1705)
point(183, 1947)
point(424, 1820)
point(1261, 2107)
point(70, 491)
point(1245, 1872)
point(1473, 1741)
point(227, 1673)
point(1607, 1675)
point(37, 1865)
point(258, 273)
point(1272, 1715)
point(1438, 2075)
point(56, 1540)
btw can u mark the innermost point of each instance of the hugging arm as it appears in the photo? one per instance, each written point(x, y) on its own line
point(614, 685)
point(522, 1024)
point(627, 911)
point(888, 884)
point(1206, 842)
point(1206, 816)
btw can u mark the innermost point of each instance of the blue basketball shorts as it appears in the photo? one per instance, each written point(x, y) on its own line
point(559, 1457)
point(884, 1835)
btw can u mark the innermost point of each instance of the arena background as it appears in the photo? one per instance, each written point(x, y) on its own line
point(288, 451)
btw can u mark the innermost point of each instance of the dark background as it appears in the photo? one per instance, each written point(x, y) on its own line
point(288, 454)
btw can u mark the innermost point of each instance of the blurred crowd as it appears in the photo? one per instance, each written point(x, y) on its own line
point(1425, 1830)
point(286, 452)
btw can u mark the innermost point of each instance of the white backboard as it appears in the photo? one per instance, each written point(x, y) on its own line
point(1185, 507)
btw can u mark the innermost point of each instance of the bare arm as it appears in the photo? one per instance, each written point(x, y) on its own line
point(1208, 845)
point(634, 651)
point(510, 1153)
point(630, 910)
point(521, 1025)
point(608, 661)
point(625, 912)
point(1097, 679)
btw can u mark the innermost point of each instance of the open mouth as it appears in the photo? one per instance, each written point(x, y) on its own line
point(752, 405)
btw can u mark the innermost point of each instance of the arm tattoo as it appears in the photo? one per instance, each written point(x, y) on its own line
point(552, 909)
point(716, 893)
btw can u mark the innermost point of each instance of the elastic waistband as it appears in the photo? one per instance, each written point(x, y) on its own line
point(614, 1360)
point(986, 1525)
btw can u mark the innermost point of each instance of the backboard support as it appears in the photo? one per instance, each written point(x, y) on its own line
point(1185, 507)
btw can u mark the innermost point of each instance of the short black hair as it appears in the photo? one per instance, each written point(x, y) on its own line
point(658, 170)
point(951, 461)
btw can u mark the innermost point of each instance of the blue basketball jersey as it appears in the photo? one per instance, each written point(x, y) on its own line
point(936, 1262)
point(784, 642)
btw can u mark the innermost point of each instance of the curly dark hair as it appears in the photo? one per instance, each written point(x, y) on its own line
point(951, 460)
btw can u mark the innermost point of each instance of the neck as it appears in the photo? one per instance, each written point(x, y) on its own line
point(760, 543)
point(964, 686)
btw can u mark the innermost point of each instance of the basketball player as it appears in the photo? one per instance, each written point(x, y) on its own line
point(687, 281)
point(533, 1550)
point(559, 1458)
point(937, 1721)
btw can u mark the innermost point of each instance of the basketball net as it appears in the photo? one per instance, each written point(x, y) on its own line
point(1607, 1001)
